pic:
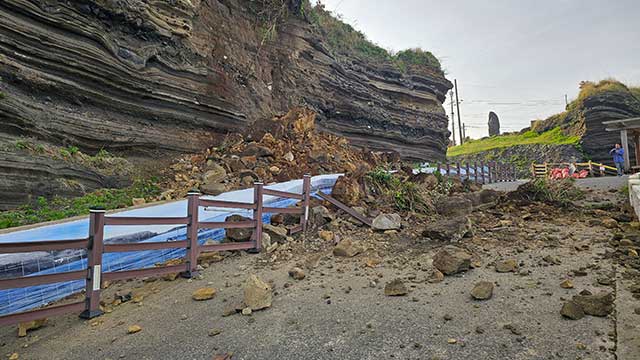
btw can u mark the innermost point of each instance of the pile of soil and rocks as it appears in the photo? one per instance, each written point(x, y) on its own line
point(285, 148)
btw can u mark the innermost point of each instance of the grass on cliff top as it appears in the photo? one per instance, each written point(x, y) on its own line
point(553, 137)
point(61, 208)
point(344, 39)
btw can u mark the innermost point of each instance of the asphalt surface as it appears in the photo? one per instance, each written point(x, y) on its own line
point(596, 183)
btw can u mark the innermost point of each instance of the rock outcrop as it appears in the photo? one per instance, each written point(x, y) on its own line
point(494, 124)
point(147, 79)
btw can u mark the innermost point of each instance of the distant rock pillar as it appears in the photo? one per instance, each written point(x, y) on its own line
point(494, 124)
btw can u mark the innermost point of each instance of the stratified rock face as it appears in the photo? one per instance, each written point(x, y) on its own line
point(146, 79)
point(606, 106)
point(494, 124)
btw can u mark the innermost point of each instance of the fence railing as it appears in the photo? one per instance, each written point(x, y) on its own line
point(480, 172)
point(594, 168)
point(95, 247)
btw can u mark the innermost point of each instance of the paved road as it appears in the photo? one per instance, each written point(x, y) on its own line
point(596, 183)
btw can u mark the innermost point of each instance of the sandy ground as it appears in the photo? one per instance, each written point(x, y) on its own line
point(339, 311)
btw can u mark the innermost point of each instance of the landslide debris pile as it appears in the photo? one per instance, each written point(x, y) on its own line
point(284, 148)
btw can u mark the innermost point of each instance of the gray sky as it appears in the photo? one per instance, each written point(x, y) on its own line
point(515, 57)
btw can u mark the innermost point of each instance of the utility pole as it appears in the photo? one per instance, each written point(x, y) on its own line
point(453, 119)
point(566, 100)
point(455, 83)
point(464, 131)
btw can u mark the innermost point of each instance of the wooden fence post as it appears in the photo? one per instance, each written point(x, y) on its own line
point(306, 199)
point(438, 168)
point(458, 170)
point(467, 170)
point(191, 257)
point(94, 264)
point(484, 181)
point(448, 170)
point(514, 172)
point(257, 213)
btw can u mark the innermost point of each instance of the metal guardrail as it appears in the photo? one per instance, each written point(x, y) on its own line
point(95, 247)
point(480, 172)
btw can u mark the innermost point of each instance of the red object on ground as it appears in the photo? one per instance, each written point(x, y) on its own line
point(563, 173)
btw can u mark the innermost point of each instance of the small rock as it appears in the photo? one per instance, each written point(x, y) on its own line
point(482, 290)
point(288, 156)
point(572, 310)
point(247, 311)
point(138, 201)
point(24, 327)
point(215, 332)
point(513, 328)
point(505, 266)
point(596, 305)
point(132, 329)
point(14, 356)
point(395, 288)
point(567, 284)
point(326, 235)
point(610, 223)
point(385, 222)
point(297, 273)
point(257, 293)
point(202, 294)
point(346, 248)
point(452, 260)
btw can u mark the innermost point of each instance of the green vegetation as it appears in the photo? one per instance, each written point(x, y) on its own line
point(554, 192)
point(589, 88)
point(554, 136)
point(2, 95)
point(343, 39)
point(406, 195)
point(61, 208)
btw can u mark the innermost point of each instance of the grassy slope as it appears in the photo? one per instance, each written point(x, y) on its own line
point(61, 208)
point(557, 124)
point(554, 136)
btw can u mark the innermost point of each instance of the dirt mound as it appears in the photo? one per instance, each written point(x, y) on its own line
point(287, 147)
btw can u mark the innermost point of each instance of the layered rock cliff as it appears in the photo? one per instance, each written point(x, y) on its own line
point(147, 79)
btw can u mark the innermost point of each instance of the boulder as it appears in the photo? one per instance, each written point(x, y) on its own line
point(326, 235)
point(238, 235)
point(505, 266)
point(427, 181)
point(451, 229)
point(494, 124)
point(572, 310)
point(453, 205)
point(24, 327)
point(395, 288)
point(385, 222)
point(596, 305)
point(213, 188)
point(138, 201)
point(276, 233)
point(452, 260)
point(257, 293)
point(482, 290)
point(214, 174)
point(347, 190)
point(320, 215)
point(253, 149)
point(346, 248)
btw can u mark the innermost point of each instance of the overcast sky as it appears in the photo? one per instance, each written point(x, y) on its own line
point(517, 58)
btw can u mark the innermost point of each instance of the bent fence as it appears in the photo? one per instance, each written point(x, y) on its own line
point(594, 168)
point(95, 248)
point(479, 172)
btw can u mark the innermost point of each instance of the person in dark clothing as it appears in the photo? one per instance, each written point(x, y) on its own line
point(618, 158)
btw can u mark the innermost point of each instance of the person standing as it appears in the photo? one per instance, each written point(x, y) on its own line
point(618, 158)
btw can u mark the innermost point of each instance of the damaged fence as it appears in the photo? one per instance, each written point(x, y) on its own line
point(189, 236)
